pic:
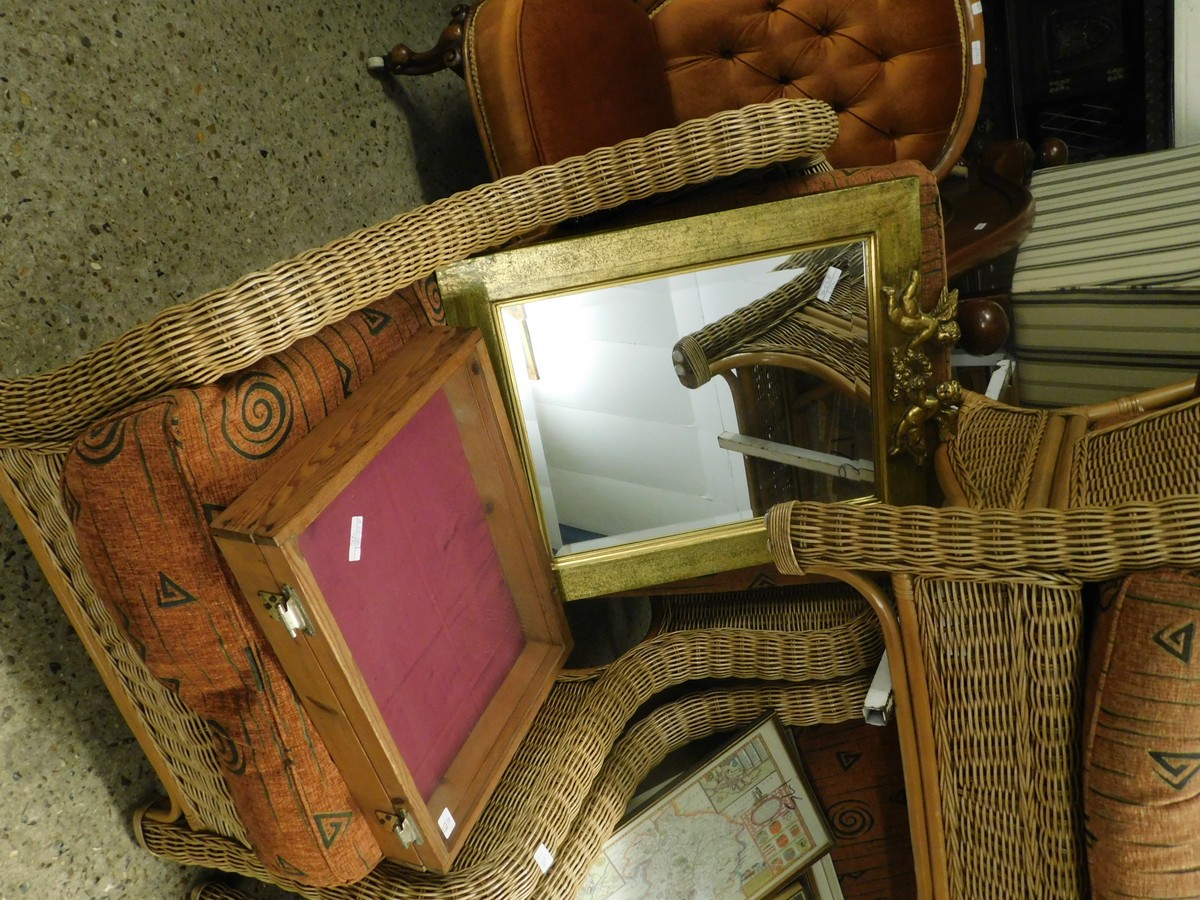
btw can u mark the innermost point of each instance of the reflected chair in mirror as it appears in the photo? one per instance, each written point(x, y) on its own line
point(989, 593)
point(797, 363)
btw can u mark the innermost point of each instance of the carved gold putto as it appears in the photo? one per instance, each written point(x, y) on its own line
point(912, 370)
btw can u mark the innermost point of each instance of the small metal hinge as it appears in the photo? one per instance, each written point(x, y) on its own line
point(402, 824)
point(286, 607)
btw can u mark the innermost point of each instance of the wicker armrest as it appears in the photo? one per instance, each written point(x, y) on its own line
point(1090, 543)
point(266, 312)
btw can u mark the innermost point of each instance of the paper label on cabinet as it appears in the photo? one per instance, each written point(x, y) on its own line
point(832, 276)
point(543, 857)
point(446, 823)
point(356, 525)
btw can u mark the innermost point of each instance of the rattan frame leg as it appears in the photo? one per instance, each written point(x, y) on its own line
point(916, 738)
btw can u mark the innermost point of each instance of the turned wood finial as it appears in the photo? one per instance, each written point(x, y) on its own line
point(447, 53)
point(984, 325)
point(1054, 152)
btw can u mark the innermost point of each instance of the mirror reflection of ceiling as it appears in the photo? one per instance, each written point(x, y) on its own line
point(622, 447)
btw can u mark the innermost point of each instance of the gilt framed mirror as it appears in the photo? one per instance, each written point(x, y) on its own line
point(669, 382)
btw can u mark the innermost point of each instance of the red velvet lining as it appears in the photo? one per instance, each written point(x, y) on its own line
point(425, 611)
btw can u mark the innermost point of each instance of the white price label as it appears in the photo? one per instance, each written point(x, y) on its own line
point(832, 276)
point(543, 857)
point(446, 823)
point(976, 53)
point(356, 538)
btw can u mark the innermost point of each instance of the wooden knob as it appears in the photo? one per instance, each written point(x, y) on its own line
point(984, 325)
point(1054, 152)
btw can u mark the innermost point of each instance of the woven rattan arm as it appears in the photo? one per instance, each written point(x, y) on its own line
point(266, 312)
point(697, 355)
point(1090, 543)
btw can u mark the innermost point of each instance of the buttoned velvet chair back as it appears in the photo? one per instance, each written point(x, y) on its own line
point(549, 79)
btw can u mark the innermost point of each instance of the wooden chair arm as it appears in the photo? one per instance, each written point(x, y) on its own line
point(1134, 405)
point(447, 53)
point(760, 326)
point(1089, 543)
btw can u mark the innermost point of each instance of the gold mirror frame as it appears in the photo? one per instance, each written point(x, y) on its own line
point(885, 217)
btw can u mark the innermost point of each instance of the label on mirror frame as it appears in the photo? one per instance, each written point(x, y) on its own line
point(832, 276)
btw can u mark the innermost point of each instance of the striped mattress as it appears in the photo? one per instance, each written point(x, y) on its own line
point(1106, 292)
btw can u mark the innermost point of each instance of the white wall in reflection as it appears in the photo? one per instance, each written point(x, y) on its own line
point(619, 446)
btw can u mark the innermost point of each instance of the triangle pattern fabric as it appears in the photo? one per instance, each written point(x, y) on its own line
point(1177, 642)
point(346, 374)
point(1176, 769)
point(847, 759)
point(170, 593)
point(332, 826)
point(376, 320)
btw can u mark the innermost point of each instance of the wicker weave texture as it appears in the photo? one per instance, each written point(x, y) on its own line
point(990, 594)
point(1155, 456)
point(266, 312)
point(1091, 543)
point(568, 784)
point(216, 891)
point(181, 736)
point(227, 330)
point(994, 456)
point(997, 710)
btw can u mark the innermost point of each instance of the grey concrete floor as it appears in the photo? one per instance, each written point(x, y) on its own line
point(154, 150)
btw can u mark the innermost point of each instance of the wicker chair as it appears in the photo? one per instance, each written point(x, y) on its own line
point(567, 789)
point(569, 782)
point(989, 599)
point(798, 370)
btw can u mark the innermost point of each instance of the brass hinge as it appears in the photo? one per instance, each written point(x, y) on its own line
point(403, 825)
point(285, 607)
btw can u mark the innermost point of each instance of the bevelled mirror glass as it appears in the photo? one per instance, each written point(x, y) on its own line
point(670, 382)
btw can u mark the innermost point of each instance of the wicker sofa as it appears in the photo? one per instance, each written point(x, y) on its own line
point(1057, 523)
point(575, 771)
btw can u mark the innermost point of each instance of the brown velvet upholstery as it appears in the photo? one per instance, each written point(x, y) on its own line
point(549, 79)
point(894, 72)
point(555, 79)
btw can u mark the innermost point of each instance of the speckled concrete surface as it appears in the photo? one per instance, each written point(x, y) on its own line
point(154, 150)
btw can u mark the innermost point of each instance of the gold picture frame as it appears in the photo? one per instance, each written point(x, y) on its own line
point(742, 824)
point(879, 225)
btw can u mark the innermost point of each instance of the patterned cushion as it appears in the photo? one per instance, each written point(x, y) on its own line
point(1142, 739)
point(856, 773)
point(143, 486)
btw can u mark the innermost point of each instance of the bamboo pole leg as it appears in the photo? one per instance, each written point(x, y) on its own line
point(929, 863)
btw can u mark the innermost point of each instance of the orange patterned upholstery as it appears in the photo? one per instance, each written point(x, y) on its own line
point(548, 77)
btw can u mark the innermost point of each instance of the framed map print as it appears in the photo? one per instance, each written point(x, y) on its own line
point(741, 825)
